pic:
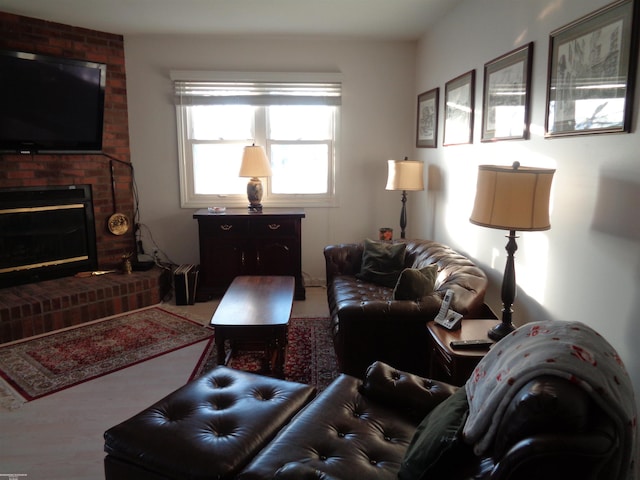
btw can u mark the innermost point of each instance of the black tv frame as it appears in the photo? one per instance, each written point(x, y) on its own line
point(61, 66)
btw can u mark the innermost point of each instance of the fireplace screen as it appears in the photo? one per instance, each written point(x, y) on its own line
point(45, 233)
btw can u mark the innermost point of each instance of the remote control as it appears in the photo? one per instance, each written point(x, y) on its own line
point(471, 344)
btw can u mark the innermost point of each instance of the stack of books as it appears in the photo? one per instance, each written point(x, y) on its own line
point(185, 280)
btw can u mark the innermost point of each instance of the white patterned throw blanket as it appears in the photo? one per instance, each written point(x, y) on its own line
point(570, 350)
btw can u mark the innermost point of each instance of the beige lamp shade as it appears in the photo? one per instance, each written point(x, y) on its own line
point(512, 198)
point(405, 175)
point(255, 162)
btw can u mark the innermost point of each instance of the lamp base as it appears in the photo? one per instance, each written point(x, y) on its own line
point(254, 194)
point(508, 291)
point(501, 330)
point(403, 215)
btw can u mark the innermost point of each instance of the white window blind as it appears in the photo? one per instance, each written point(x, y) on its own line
point(265, 89)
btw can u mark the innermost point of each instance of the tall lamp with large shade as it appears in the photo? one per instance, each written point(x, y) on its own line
point(255, 164)
point(405, 175)
point(511, 198)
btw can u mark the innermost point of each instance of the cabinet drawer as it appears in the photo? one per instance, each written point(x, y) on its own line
point(274, 227)
point(222, 227)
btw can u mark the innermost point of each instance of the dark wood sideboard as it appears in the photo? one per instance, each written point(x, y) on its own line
point(239, 242)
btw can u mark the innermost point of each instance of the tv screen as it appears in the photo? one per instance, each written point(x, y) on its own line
point(50, 104)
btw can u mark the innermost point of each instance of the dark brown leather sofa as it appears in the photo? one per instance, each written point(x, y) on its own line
point(368, 325)
point(361, 430)
point(356, 429)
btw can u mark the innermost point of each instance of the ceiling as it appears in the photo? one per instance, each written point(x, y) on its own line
point(384, 19)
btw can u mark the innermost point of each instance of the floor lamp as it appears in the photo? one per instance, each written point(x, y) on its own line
point(511, 198)
point(405, 175)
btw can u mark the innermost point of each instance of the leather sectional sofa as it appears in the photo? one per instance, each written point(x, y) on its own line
point(368, 324)
point(229, 424)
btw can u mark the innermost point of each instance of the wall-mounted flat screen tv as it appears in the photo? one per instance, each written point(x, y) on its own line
point(50, 104)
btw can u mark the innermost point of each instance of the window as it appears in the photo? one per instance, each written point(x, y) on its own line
point(295, 119)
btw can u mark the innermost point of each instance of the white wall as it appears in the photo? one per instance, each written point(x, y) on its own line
point(377, 124)
point(587, 267)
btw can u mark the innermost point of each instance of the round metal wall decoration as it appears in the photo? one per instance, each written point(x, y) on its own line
point(118, 223)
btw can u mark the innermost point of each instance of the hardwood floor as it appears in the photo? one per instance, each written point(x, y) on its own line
point(59, 437)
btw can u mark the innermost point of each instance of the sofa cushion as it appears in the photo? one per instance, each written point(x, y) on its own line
point(342, 434)
point(438, 440)
point(382, 263)
point(414, 283)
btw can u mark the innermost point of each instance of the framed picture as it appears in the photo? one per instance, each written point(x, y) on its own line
point(592, 66)
point(427, 120)
point(506, 96)
point(459, 97)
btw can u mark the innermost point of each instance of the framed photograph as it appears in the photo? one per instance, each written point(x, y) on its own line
point(427, 120)
point(592, 66)
point(506, 96)
point(459, 97)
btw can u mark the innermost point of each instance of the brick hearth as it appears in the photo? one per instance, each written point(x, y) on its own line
point(36, 308)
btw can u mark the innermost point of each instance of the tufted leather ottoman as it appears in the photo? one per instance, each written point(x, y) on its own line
point(210, 428)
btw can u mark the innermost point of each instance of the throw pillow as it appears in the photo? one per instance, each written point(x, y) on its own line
point(437, 445)
point(415, 283)
point(382, 263)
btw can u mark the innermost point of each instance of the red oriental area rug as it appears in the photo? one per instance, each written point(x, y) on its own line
point(40, 366)
point(310, 355)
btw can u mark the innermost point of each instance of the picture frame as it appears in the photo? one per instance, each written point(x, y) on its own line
point(591, 73)
point(427, 119)
point(459, 101)
point(507, 96)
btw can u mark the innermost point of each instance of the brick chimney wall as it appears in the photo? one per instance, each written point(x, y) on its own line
point(39, 36)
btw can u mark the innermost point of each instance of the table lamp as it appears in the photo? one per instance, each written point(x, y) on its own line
point(405, 175)
point(511, 198)
point(255, 164)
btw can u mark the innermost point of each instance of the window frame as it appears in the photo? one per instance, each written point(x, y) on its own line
point(190, 199)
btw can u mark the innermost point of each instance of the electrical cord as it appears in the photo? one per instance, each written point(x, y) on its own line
point(168, 265)
point(157, 249)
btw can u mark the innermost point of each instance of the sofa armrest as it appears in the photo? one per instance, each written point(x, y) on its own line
point(557, 455)
point(342, 259)
point(414, 395)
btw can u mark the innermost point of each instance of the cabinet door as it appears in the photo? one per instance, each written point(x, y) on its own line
point(223, 254)
point(276, 246)
point(275, 257)
point(230, 261)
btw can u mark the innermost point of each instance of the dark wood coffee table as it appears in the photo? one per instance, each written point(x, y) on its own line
point(254, 313)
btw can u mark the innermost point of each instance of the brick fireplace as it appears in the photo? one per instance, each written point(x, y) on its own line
point(39, 36)
point(27, 305)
